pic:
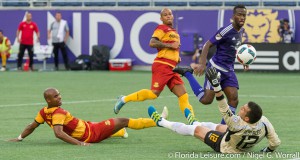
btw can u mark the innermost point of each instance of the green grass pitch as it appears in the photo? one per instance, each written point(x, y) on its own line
point(91, 96)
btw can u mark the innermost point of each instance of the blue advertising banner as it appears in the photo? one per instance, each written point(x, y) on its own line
point(128, 32)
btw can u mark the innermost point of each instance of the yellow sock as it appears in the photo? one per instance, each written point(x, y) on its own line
point(184, 103)
point(3, 56)
point(140, 95)
point(120, 133)
point(141, 123)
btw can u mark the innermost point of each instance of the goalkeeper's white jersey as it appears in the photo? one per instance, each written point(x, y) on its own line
point(242, 136)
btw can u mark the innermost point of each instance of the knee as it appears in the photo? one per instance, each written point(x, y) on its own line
point(121, 121)
point(157, 93)
point(233, 101)
point(206, 101)
point(198, 133)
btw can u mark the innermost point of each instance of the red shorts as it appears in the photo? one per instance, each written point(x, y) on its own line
point(101, 130)
point(162, 74)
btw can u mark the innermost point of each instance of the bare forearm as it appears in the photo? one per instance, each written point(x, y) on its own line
point(204, 53)
point(49, 33)
point(38, 35)
point(65, 137)
point(67, 36)
point(27, 131)
point(159, 44)
point(18, 32)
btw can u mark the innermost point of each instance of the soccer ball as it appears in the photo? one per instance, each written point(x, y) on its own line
point(246, 54)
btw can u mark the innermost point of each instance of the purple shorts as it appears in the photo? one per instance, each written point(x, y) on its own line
point(228, 79)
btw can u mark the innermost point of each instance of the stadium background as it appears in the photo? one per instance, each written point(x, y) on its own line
point(126, 30)
point(91, 95)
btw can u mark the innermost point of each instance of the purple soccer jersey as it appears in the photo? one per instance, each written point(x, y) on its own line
point(227, 40)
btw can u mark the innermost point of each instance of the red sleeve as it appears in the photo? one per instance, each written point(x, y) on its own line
point(20, 26)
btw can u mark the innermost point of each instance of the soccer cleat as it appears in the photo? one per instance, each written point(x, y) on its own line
point(165, 113)
point(189, 116)
point(119, 104)
point(125, 134)
point(3, 69)
point(154, 115)
point(183, 70)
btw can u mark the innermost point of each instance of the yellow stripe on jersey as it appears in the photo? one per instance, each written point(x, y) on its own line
point(164, 63)
point(79, 130)
point(58, 118)
point(39, 118)
point(158, 33)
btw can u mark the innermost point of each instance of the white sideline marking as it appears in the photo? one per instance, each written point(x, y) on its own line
point(110, 100)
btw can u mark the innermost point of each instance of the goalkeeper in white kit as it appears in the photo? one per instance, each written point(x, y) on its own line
point(241, 132)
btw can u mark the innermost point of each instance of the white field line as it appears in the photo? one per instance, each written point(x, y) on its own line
point(112, 100)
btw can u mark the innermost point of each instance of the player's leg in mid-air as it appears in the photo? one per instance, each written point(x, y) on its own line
point(141, 95)
point(176, 85)
point(200, 130)
point(115, 127)
point(161, 75)
point(205, 96)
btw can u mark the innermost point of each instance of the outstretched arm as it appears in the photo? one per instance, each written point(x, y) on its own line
point(199, 70)
point(17, 35)
point(227, 114)
point(27, 131)
point(59, 133)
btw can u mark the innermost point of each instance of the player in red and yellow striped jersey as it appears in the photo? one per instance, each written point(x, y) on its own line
point(167, 41)
point(76, 131)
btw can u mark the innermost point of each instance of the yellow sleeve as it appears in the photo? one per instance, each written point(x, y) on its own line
point(39, 118)
point(58, 119)
point(158, 33)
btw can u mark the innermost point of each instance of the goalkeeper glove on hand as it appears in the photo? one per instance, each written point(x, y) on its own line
point(213, 77)
point(267, 149)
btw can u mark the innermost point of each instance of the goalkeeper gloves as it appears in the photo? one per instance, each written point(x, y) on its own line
point(267, 149)
point(213, 77)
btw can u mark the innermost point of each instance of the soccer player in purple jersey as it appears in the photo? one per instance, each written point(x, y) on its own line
point(227, 39)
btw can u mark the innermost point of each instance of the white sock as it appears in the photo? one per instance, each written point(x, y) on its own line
point(180, 128)
point(209, 125)
point(165, 123)
point(196, 123)
point(123, 99)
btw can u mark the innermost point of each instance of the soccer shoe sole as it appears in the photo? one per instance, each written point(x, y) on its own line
point(119, 104)
point(165, 113)
point(183, 70)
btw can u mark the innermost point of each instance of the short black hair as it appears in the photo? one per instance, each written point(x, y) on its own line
point(1, 31)
point(286, 20)
point(255, 112)
point(238, 6)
